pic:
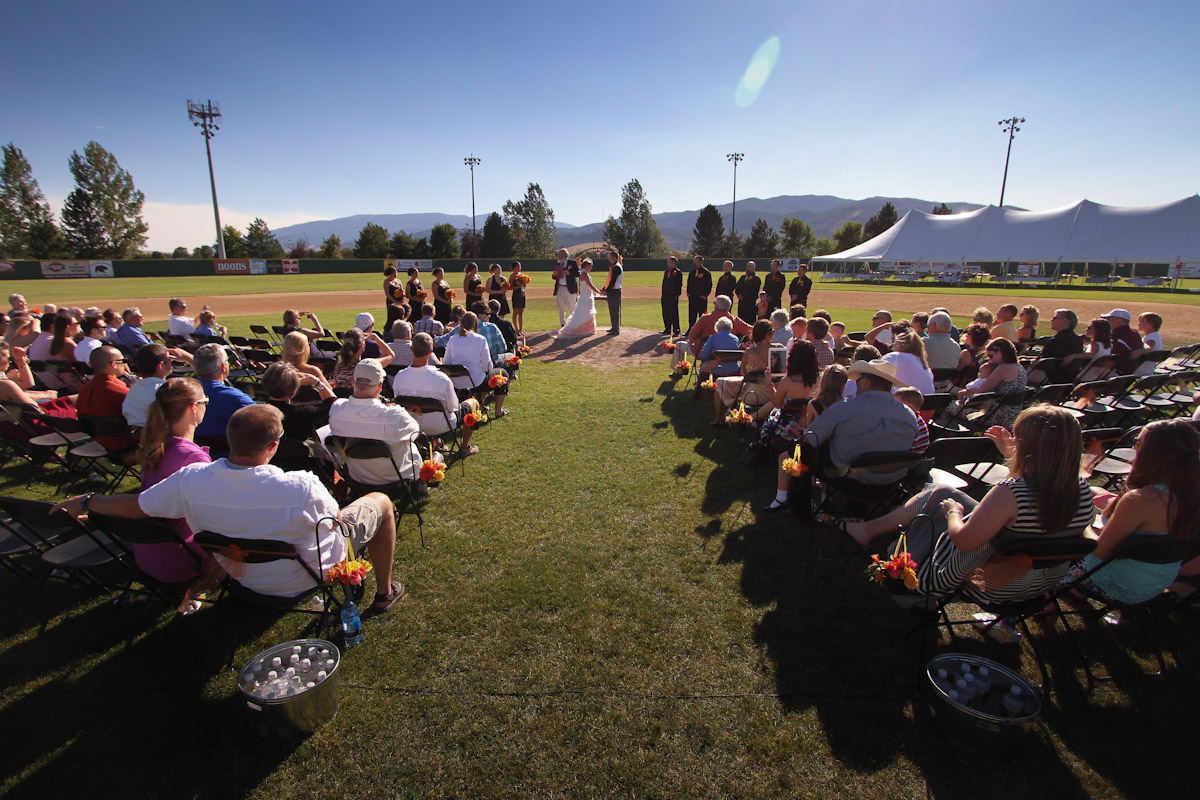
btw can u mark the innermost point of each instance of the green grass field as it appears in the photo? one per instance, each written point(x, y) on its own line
point(601, 611)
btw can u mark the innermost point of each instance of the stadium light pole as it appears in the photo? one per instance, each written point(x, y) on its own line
point(735, 158)
point(1011, 130)
point(471, 161)
point(207, 118)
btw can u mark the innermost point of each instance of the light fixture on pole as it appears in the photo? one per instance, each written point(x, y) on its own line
point(207, 117)
point(471, 161)
point(1011, 130)
point(735, 158)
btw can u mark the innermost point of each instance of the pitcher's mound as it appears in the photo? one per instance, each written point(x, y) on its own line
point(630, 346)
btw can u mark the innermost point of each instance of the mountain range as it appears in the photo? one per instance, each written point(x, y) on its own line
point(824, 214)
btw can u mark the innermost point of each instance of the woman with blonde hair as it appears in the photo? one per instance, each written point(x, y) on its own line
point(295, 352)
point(22, 329)
point(1044, 495)
point(1029, 321)
point(167, 446)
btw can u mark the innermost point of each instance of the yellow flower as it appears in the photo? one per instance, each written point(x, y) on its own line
point(910, 579)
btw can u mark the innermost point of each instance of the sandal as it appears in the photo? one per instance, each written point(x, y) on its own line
point(840, 524)
point(384, 602)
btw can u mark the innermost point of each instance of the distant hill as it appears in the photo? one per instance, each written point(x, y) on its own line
point(824, 213)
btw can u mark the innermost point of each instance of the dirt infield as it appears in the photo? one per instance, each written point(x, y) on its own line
point(1183, 322)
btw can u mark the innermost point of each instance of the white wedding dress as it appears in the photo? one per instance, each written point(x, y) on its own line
point(582, 321)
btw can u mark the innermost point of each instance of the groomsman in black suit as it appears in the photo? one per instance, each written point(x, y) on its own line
point(672, 287)
point(699, 285)
point(774, 285)
point(801, 285)
point(612, 291)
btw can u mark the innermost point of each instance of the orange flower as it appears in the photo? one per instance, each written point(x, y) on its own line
point(451, 294)
point(524, 278)
point(793, 467)
point(433, 471)
point(496, 381)
point(470, 419)
point(349, 571)
point(506, 286)
point(668, 347)
point(513, 361)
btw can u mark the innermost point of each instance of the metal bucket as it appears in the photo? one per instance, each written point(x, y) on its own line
point(982, 726)
point(295, 714)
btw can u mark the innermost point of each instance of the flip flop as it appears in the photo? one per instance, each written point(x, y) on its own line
point(384, 602)
point(839, 524)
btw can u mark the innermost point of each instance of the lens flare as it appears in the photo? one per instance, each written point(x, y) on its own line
point(757, 72)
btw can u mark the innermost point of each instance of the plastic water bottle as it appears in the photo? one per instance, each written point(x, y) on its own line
point(1014, 703)
point(351, 624)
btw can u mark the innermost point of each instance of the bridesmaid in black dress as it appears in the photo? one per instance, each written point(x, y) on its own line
point(393, 292)
point(495, 287)
point(517, 282)
point(415, 293)
point(472, 286)
point(441, 298)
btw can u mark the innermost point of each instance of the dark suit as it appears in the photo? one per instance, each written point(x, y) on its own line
point(747, 290)
point(773, 285)
point(699, 285)
point(799, 289)
point(612, 295)
point(672, 287)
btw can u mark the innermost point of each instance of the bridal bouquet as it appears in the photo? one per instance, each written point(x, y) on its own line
point(496, 381)
point(793, 466)
point(900, 568)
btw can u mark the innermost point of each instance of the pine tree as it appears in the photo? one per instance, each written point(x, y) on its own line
point(260, 242)
point(531, 223)
point(708, 235)
point(112, 206)
point(879, 223)
point(26, 223)
point(331, 247)
point(496, 240)
point(763, 242)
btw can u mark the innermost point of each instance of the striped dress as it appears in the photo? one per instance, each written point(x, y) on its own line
point(949, 567)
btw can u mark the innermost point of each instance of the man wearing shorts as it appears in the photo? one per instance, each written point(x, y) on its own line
point(244, 497)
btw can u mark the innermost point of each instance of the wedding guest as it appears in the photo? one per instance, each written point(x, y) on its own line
point(178, 323)
point(152, 364)
point(104, 395)
point(756, 358)
point(281, 381)
point(780, 333)
point(423, 380)
point(1004, 326)
point(469, 349)
point(1029, 321)
point(354, 342)
point(93, 337)
point(129, 337)
point(880, 335)
point(212, 370)
point(428, 322)
point(22, 330)
point(295, 351)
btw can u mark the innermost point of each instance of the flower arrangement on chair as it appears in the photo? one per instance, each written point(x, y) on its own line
point(524, 350)
point(738, 416)
point(496, 381)
point(514, 361)
point(898, 570)
point(349, 571)
point(432, 471)
point(794, 466)
point(668, 347)
point(709, 383)
point(473, 418)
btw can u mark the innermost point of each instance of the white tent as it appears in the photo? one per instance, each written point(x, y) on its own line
point(1083, 232)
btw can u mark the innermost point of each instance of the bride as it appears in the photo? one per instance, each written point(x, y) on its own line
point(582, 321)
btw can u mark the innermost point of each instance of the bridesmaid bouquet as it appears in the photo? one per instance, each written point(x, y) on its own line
point(420, 295)
point(506, 287)
point(524, 279)
point(451, 294)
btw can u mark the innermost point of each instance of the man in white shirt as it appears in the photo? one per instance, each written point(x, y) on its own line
point(153, 366)
point(365, 416)
point(245, 497)
point(422, 380)
point(612, 291)
point(93, 337)
point(177, 323)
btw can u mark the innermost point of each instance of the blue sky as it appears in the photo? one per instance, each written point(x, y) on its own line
point(370, 107)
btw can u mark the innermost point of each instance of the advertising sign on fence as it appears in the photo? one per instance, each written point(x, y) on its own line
point(1185, 269)
point(100, 269)
point(258, 266)
point(7, 266)
point(66, 269)
point(291, 266)
point(241, 267)
point(402, 265)
point(791, 264)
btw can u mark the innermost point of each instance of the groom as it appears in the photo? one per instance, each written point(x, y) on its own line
point(566, 285)
point(612, 292)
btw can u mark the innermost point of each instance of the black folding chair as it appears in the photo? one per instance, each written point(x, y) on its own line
point(347, 449)
point(123, 461)
point(431, 405)
point(969, 463)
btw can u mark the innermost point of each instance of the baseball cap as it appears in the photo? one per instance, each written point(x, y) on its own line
point(369, 371)
point(1119, 312)
point(364, 321)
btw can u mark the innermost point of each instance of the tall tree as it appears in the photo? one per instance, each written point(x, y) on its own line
point(421, 248)
point(824, 246)
point(114, 204)
point(763, 241)
point(443, 241)
point(23, 207)
point(798, 239)
point(203, 251)
point(849, 235)
point(81, 225)
point(46, 240)
point(731, 245)
point(331, 247)
point(497, 240)
point(942, 210)
point(260, 242)
point(372, 242)
point(469, 243)
point(879, 223)
point(235, 243)
point(635, 234)
point(179, 252)
point(708, 235)
point(531, 222)
point(403, 245)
